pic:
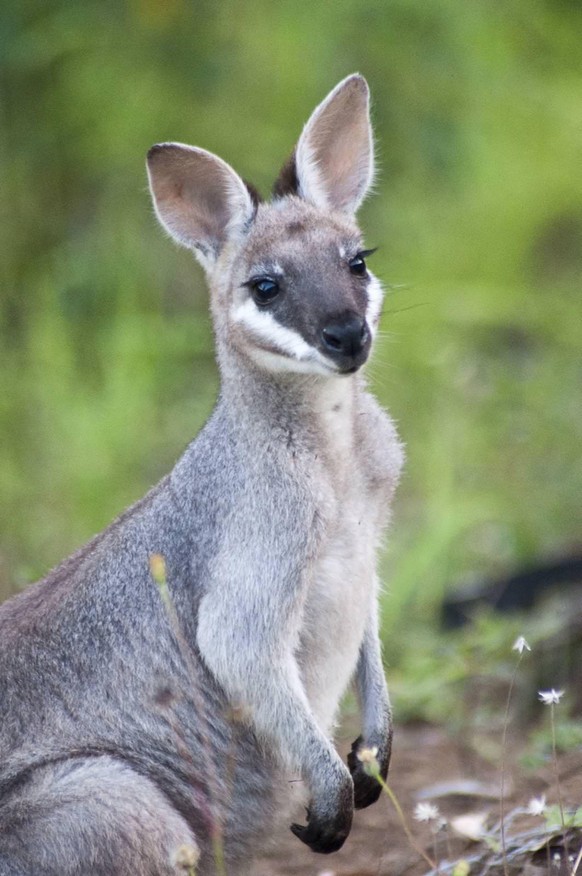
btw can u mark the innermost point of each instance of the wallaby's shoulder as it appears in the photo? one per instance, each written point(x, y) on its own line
point(380, 442)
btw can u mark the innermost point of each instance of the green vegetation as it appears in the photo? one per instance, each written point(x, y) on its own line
point(105, 344)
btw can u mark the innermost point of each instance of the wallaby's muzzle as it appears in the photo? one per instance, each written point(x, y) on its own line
point(346, 340)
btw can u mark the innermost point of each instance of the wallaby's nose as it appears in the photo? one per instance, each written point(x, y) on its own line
point(345, 337)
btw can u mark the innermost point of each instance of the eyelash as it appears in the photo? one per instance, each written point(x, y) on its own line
point(357, 265)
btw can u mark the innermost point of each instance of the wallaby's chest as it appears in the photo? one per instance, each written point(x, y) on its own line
point(354, 496)
point(340, 589)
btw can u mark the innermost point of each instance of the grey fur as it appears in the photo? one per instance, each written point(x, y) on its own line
point(127, 732)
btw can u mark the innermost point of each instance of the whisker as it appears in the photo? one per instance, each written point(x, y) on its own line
point(399, 287)
point(409, 307)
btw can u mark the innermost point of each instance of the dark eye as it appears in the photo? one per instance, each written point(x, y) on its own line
point(264, 289)
point(358, 264)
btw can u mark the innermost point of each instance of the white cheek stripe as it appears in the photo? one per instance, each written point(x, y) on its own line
point(374, 308)
point(266, 328)
point(290, 351)
point(279, 363)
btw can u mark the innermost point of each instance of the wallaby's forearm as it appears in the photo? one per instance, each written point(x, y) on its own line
point(371, 686)
point(376, 714)
point(273, 701)
point(266, 684)
point(263, 679)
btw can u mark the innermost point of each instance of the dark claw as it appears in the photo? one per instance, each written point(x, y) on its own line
point(319, 839)
point(367, 789)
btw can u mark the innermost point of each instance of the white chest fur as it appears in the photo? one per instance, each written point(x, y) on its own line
point(342, 582)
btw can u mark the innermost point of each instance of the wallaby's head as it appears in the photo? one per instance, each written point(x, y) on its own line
point(289, 282)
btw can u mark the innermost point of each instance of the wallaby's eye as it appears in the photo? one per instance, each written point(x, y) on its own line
point(357, 265)
point(264, 289)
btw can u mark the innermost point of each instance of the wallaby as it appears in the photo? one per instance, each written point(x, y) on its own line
point(132, 727)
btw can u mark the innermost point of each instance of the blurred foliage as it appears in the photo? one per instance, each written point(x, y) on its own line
point(463, 677)
point(474, 681)
point(555, 818)
point(105, 343)
point(540, 745)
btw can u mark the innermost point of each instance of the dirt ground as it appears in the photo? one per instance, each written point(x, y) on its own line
point(424, 758)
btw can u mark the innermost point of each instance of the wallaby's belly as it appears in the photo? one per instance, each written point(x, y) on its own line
point(337, 609)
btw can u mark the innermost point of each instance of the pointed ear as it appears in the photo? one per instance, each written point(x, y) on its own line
point(333, 163)
point(198, 198)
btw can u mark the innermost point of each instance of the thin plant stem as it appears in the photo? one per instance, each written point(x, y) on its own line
point(577, 862)
point(448, 843)
point(503, 763)
point(557, 777)
point(218, 851)
point(394, 800)
point(436, 852)
point(555, 765)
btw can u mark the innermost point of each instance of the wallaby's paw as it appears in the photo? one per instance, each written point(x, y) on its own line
point(367, 789)
point(329, 817)
point(323, 836)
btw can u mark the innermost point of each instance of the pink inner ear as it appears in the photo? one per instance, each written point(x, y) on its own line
point(198, 197)
point(335, 149)
point(345, 165)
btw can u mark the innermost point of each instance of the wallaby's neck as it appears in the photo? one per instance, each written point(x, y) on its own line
point(304, 406)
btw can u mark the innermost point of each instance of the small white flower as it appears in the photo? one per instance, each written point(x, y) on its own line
point(186, 857)
point(520, 645)
point(368, 759)
point(367, 755)
point(550, 697)
point(426, 812)
point(536, 805)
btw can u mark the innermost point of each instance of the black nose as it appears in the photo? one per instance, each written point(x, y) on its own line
point(345, 337)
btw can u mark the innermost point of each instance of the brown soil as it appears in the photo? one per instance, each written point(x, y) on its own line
point(422, 758)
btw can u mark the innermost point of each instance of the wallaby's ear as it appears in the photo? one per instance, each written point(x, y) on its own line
point(198, 197)
point(333, 163)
